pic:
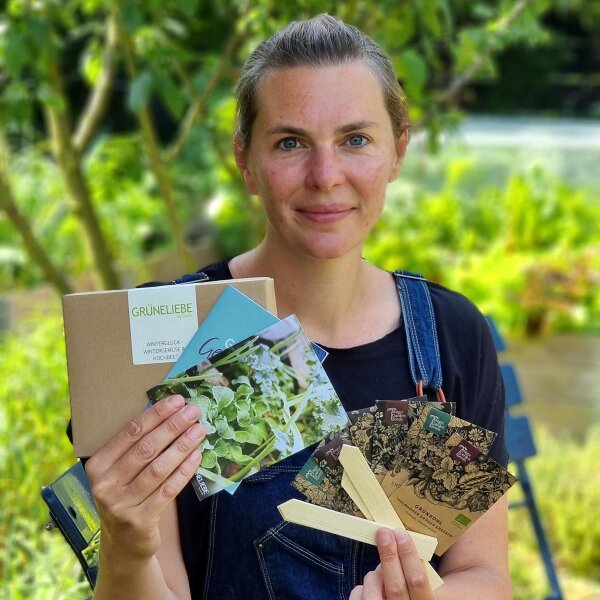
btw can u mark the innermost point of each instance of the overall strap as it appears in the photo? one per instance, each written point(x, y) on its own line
point(421, 332)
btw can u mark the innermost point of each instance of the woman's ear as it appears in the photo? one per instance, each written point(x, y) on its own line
point(241, 160)
point(401, 146)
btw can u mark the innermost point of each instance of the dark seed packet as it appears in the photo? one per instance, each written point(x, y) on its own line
point(429, 430)
point(361, 429)
point(320, 479)
point(393, 419)
point(448, 487)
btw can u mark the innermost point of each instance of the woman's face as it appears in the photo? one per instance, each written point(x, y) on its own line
point(321, 154)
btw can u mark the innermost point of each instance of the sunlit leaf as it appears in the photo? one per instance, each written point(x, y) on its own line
point(139, 90)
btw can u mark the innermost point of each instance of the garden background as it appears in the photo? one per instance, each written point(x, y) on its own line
point(115, 168)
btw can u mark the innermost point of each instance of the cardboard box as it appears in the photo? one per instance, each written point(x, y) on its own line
point(121, 343)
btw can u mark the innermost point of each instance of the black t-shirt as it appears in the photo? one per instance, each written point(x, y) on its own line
point(380, 371)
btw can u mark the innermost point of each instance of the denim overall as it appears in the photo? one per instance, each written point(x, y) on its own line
point(254, 555)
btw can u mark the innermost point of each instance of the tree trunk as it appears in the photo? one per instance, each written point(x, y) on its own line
point(30, 241)
point(69, 162)
point(157, 165)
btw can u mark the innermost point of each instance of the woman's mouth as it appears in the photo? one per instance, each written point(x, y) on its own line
point(325, 214)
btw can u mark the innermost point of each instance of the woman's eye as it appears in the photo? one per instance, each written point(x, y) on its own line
point(357, 141)
point(289, 144)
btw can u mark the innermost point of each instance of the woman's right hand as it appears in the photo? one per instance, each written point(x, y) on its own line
point(139, 471)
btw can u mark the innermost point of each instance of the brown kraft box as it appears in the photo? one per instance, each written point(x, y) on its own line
point(107, 380)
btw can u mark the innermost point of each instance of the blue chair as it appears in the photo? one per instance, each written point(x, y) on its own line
point(520, 446)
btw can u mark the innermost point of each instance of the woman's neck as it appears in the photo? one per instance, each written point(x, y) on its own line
point(340, 302)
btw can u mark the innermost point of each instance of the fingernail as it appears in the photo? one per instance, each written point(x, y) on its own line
point(195, 455)
point(191, 412)
point(176, 401)
point(385, 536)
point(196, 431)
point(401, 536)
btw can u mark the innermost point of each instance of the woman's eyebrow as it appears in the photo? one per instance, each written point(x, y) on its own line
point(287, 129)
point(357, 126)
point(350, 127)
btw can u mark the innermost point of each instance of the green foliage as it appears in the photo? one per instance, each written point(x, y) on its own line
point(525, 252)
point(126, 201)
point(38, 188)
point(179, 60)
point(34, 450)
point(567, 488)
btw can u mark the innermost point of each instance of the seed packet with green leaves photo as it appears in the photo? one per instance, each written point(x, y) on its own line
point(431, 427)
point(448, 487)
point(261, 400)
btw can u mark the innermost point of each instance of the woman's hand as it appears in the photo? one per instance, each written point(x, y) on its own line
point(400, 575)
point(139, 471)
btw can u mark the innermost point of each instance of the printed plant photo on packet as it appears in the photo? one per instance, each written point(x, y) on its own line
point(261, 401)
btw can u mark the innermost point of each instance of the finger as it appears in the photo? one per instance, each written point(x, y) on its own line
point(371, 589)
point(135, 429)
point(149, 447)
point(157, 502)
point(157, 471)
point(391, 569)
point(412, 567)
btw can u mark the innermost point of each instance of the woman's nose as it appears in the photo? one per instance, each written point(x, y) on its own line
point(324, 170)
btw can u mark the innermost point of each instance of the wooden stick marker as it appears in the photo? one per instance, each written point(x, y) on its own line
point(355, 496)
point(355, 528)
point(365, 484)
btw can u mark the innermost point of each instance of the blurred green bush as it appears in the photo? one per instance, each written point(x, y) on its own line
point(34, 450)
point(526, 251)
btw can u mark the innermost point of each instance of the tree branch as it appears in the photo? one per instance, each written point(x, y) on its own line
point(198, 105)
point(77, 187)
point(22, 225)
point(449, 95)
point(98, 99)
point(157, 163)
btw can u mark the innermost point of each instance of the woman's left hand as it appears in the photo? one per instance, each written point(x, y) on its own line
point(400, 575)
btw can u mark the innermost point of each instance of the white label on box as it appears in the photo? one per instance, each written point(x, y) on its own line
point(162, 321)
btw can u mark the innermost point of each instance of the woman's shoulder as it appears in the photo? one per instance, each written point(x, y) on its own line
point(455, 313)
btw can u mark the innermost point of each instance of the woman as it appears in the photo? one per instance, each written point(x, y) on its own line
point(322, 130)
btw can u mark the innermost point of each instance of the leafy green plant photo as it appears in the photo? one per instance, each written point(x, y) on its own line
point(261, 400)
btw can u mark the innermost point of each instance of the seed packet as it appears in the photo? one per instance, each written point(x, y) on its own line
point(361, 429)
point(320, 479)
point(261, 400)
point(448, 486)
point(393, 419)
point(430, 428)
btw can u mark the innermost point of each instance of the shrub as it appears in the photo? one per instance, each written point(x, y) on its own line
point(566, 483)
point(34, 450)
